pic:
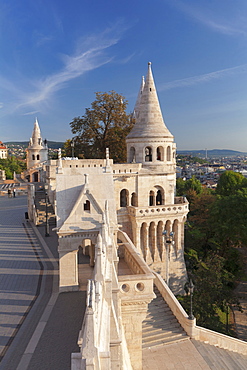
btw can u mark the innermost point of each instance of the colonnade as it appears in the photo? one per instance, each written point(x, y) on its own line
point(150, 238)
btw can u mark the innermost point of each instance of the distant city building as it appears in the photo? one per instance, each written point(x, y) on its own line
point(3, 151)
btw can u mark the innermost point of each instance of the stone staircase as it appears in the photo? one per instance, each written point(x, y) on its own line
point(218, 358)
point(41, 209)
point(161, 327)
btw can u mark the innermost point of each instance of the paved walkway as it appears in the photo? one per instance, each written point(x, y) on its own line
point(178, 356)
point(38, 327)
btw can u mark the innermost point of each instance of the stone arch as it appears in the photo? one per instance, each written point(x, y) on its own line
point(33, 157)
point(151, 198)
point(132, 155)
point(37, 157)
point(134, 200)
point(168, 153)
point(144, 239)
point(124, 198)
point(160, 196)
point(160, 153)
point(35, 176)
point(85, 260)
point(160, 241)
point(148, 154)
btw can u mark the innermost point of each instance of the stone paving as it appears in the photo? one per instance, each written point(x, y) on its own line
point(38, 327)
point(21, 269)
point(178, 356)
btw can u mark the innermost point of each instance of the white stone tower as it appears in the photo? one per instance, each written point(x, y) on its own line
point(155, 209)
point(37, 151)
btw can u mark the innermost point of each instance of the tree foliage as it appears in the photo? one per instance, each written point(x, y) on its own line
point(215, 232)
point(230, 182)
point(11, 165)
point(104, 125)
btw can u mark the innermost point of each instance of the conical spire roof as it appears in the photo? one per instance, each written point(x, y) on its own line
point(138, 101)
point(149, 120)
point(36, 140)
point(36, 132)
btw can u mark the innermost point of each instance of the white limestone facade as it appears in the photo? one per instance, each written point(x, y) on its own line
point(140, 195)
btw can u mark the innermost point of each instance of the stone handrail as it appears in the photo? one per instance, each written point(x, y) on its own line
point(168, 209)
point(220, 340)
point(194, 331)
point(176, 308)
point(133, 258)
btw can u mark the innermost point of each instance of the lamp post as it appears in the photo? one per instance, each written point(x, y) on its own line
point(168, 240)
point(46, 211)
point(72, 148)
point(191, 290)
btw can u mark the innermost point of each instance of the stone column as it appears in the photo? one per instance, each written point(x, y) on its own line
point(132, 318)
point(135, 294)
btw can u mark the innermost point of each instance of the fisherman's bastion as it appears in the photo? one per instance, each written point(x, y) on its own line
point(129, 224)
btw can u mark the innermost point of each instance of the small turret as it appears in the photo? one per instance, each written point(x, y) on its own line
point(37, 151)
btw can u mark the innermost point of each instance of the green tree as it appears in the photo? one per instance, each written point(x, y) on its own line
point(228, 217)
point(180, 187)
point(213, 291)
point(230, 182)
point(104, 125)
point(11, 165)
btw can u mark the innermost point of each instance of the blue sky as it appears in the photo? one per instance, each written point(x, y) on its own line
point(55, 54)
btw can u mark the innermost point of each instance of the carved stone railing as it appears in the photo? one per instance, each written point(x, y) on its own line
point(164, 210)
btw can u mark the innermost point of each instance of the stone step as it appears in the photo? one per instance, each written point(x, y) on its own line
point(162, 326)
point(164, 314)
point(159, 334)
point(160, 321)
point(168, 340)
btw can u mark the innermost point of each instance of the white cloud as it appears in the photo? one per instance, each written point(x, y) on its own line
point(229, 19)
point(90, 54)
point(195, 80)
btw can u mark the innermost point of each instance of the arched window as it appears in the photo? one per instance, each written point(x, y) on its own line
point(132, 155)
point(160, 153)
point(37, 157)
point(158, 198)
point(124, 195)
point(168, 153)
point(148, 154)
point(134, 202)
point(33, 157)
point(151, 198)
point(87, 206)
